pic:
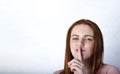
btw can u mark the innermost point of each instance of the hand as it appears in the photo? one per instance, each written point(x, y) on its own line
point(76, 64)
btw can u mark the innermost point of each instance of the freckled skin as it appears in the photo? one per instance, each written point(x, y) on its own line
point(81, 31)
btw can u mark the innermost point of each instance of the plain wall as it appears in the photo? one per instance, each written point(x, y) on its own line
point(33, 32)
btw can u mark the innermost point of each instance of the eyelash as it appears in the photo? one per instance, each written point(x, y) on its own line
point(74, 38)
point(89, 39)
point(85, 39)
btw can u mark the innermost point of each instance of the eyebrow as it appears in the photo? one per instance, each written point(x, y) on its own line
point(85, 35)
point(89, 35)
point(75, 35)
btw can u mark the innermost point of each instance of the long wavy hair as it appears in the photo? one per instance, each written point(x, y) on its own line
point(98, 49)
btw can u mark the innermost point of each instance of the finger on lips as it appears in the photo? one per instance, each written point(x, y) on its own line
point(79, 56)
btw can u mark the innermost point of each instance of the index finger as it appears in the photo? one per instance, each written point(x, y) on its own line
point(79, 55)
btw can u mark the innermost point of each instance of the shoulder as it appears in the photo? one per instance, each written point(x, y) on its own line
point(58, 72)
point(108, 69)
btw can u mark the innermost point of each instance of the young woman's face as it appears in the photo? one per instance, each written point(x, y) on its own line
point(82, 38)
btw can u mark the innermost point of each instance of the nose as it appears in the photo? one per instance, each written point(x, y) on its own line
point(81, 42)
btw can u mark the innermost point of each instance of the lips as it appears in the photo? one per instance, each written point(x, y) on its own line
point(82, 50)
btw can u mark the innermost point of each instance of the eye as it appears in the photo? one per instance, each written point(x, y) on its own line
point(74, 38)
point(89, 39)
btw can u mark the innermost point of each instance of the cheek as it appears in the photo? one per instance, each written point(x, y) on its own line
point(73, 46)
point(73, 49)
point(89, 48)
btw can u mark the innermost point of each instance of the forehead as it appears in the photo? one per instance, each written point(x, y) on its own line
point(82, 29)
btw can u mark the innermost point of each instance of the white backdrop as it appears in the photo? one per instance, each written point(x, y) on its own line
point(33, 32)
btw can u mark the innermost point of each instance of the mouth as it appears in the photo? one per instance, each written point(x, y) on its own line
point(82, 50)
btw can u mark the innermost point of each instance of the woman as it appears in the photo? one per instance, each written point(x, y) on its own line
point(84, 50)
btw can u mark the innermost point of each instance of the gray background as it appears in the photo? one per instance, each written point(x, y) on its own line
point(33, 32)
